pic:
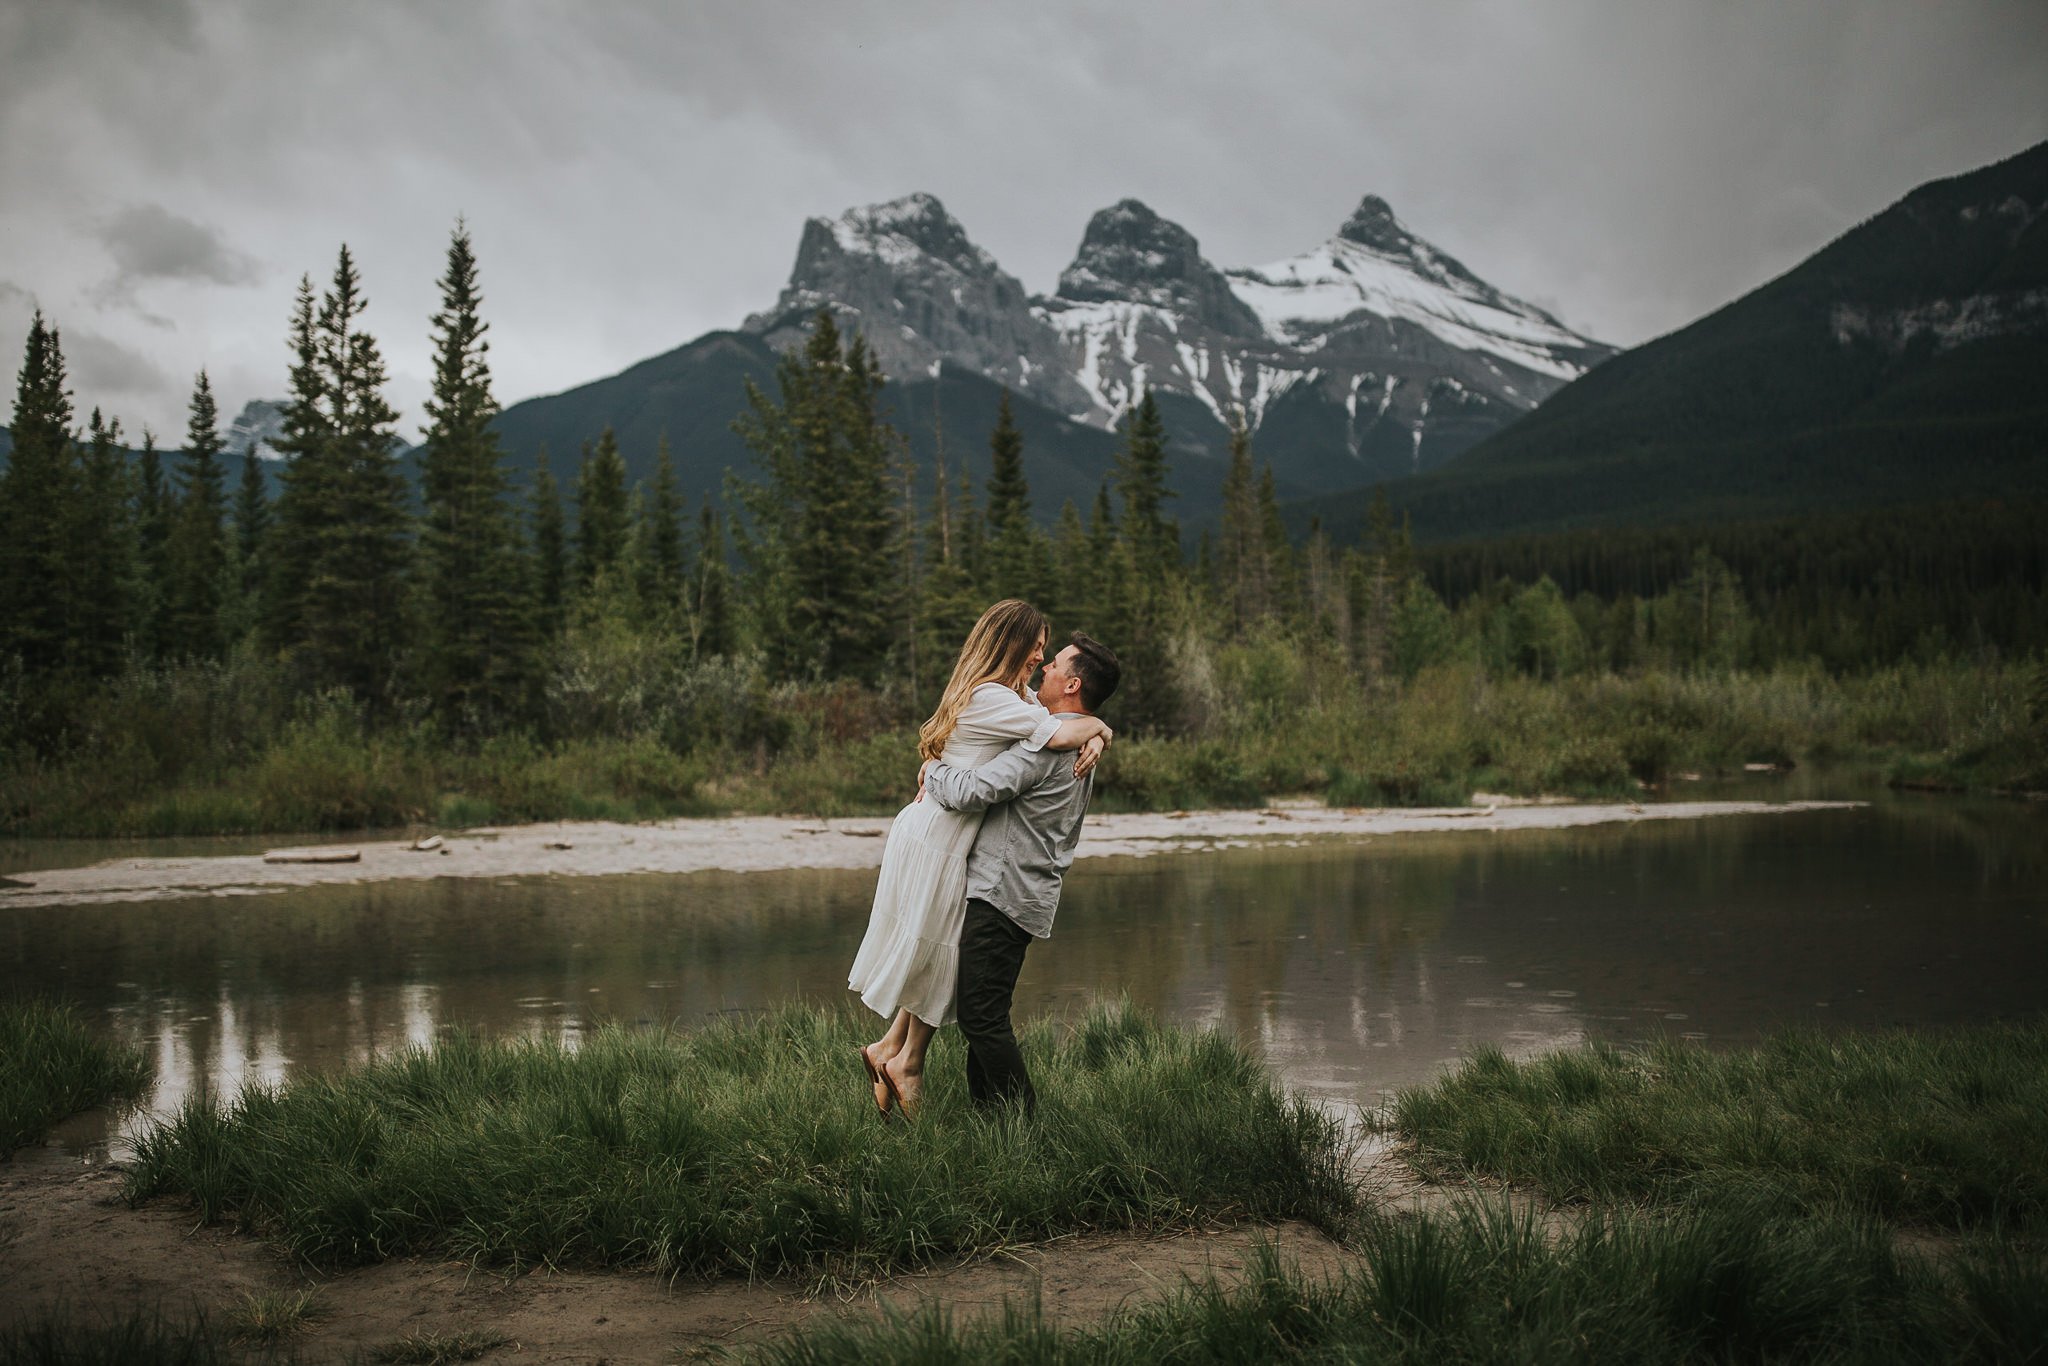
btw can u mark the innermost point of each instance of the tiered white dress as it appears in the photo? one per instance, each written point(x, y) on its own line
point(910, 959)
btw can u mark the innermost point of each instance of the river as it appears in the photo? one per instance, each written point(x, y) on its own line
point(1353, 967)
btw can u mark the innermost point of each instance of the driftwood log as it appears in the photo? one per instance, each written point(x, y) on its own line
point(313, 856)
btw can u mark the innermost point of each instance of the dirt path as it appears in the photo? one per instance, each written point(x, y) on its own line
point(66, 1239)
point(758, 843)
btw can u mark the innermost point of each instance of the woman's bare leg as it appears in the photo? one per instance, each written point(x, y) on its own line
point(906, 1067)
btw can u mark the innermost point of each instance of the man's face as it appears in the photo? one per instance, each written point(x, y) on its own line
point(1060, 678)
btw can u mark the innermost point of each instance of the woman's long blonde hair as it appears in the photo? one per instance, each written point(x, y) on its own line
point(996, 651)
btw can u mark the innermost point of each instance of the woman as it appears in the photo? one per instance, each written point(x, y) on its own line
point(909, 961)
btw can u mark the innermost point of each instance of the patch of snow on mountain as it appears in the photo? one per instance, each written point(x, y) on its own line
point(1308, 294)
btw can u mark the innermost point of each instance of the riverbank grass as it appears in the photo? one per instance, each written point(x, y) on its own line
point(1741, 1282)
point(52, 1064)
point(1934, 1128)
point(748, 1147)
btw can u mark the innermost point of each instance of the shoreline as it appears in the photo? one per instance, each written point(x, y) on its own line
point(749, 844)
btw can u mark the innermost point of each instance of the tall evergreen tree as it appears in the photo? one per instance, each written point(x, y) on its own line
point(309, 485)
point(949, 599)
point(355, 622)
point(251, 527)
point(550, 571)
point(821, 524)
point(658, 535)
point(710, 592)
point(1283, 591)
point(101, 539)
point(1066, 591)
point(1242, 564)
point(42, 480)
point(478, 646)
point(154, 507)
point(198, 541)
point(1141, 479)
point(1145, 574)
point(602, 521)
point(1019, 560)
point(1009, 496)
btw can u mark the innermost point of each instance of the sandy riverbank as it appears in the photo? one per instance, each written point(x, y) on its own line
point(762, 843)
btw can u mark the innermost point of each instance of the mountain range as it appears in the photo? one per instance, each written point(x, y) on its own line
point(1370, 356)
point(1905, 360)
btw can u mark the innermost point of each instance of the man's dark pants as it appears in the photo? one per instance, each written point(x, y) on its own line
point(991, 954)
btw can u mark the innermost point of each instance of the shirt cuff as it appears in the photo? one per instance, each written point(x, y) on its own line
point(1044, 732)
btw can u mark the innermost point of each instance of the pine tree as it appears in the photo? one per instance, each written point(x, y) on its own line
point(1383, 571)
point(42, 482)
point(1142, 597)
point(1141, 479)
point(251, 528)
point(1019, 559)
point(198, 544)
point(101, 540)
point(711, 621)
point(1009, 496)
point(949, 599)
point(602, 521)
point(478, 656)
point(1069, 575)
point(1243, 566)
point(152, 518)
point(355, 623)
point(658, 535)
point(550, 570)
point(1283, 590)
point(821, 525)
point(308, 486)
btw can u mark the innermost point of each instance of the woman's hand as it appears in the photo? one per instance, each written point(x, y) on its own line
point(1090, 753)
point(922, 769)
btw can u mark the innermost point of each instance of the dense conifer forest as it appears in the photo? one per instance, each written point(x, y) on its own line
point(181, 652)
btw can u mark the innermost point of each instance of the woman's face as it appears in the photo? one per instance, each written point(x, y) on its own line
point(1034, 659)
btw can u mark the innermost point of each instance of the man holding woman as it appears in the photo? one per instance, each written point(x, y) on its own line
point(971, 871)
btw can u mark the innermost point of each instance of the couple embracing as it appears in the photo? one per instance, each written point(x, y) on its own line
point(971, 872)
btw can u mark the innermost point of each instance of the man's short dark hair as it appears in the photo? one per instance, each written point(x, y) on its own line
point(1096, 666)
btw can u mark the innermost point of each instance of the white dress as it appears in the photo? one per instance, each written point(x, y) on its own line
point(910, 958)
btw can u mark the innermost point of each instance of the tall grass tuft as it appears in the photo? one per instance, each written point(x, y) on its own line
point(1736, 1282)
point(52, 1065)
point(1932, 1127)
point(748, 1147)
point(67, 1337)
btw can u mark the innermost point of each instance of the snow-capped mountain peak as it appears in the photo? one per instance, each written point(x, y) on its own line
point(903, 230)
point(1374, 349)
point(1130, 254)
point(1375, 273)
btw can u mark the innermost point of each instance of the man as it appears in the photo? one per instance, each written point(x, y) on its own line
point(1035, 805)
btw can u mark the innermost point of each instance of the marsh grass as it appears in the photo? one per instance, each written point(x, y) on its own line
point(748, 1147)
point(52, 1065)
point(64, 1336)
point(266, 1316)
point(1737, 1282)
point(1941, 1128)
point(435, 1349)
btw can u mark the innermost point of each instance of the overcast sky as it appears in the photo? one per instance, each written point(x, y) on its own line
point(637, 174)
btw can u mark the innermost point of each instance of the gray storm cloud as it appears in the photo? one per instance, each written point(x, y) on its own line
point(637, 173)
point(99, 365)
point(149, 242)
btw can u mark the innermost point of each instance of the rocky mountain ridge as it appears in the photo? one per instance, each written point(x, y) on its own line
point(1385, 351)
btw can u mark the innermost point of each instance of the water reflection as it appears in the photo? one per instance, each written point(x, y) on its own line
point(1355, 967)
